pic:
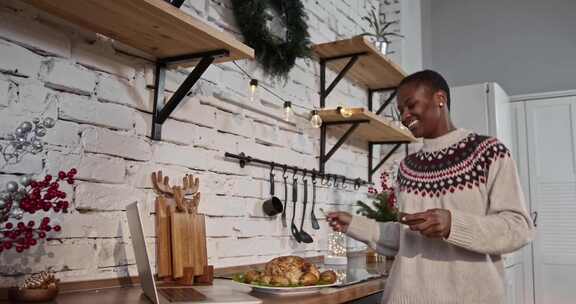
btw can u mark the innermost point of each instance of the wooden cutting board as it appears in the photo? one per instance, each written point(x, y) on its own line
point(163, 242)
point(202, 237)
point(189, 245)
point(179, 230)
point(199, 244)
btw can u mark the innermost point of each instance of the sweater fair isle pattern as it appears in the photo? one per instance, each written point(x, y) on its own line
point(475, 178)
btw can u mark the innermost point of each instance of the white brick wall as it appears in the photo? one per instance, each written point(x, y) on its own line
point(18, 60)
point(5, 92)
point(103, 102)
point(82, 109)
point(121, 144)
point(65, 75)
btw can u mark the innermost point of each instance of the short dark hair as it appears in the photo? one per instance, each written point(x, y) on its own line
point(429, 78)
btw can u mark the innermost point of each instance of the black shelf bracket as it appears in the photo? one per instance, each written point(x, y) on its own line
point(176, 3)
point(372, 169)
point(324, 92)
point(342, 140)
point(162, 110)
point(387, 102)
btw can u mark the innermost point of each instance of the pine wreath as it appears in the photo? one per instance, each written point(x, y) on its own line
point(277, 56)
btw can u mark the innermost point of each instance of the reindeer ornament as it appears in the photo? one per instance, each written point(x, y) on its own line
point(180, 232)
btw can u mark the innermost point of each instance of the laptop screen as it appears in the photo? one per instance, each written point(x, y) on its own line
point(142, 261)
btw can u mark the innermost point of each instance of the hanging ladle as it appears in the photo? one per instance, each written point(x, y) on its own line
point(273, 205)
point(293, 228)
point(304, 236)
point(313, 219)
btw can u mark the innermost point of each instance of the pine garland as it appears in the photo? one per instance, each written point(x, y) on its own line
point(276, 56)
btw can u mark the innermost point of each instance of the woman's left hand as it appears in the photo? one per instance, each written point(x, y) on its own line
point(432, 223)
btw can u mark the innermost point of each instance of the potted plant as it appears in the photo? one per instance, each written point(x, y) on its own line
point(380, 32)
point(384, 209)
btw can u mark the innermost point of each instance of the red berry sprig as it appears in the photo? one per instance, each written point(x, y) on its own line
point(42, 196)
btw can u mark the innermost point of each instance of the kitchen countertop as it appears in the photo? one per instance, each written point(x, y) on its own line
point(357, 269)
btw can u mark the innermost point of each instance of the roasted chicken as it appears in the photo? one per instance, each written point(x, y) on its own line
point(289, 271)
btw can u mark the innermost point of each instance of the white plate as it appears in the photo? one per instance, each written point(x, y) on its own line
point(288, 290)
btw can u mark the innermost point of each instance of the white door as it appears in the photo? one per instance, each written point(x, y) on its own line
point(520, 265)
point(551, 125)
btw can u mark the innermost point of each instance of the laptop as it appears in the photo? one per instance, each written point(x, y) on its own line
point(214, 294)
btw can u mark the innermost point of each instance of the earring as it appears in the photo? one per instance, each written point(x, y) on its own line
point(441, 104)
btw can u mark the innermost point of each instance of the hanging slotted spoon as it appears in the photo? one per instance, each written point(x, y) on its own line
point(293, 227)
point(285, 177)
point(304, 236)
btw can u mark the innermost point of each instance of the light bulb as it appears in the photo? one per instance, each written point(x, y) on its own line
point(315, 120)
point(288, 112)
point(253, 89)
point(398, 124)
point(344, 111)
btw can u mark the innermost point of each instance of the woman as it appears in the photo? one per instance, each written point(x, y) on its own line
point(465, 206)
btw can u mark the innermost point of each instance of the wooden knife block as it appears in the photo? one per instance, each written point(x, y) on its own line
point(181, 245)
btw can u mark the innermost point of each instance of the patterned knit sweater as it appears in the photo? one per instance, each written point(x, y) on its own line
point(475, 178)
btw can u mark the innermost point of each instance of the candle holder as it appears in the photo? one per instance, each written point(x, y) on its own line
point(337, 249)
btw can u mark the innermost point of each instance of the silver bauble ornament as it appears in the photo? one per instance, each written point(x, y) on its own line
point(4, 195)
point(25, 180)
point(49, 122)
point(19, 143)
point(26, 126)
point(12, 187)
point(36, 120)
point(40, 131)
point(20, 133)
point(37, 144)
point(17, 214)
point(18, 196)
point(2, 204)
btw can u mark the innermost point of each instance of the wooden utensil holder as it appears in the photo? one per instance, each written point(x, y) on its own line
point(181, 233)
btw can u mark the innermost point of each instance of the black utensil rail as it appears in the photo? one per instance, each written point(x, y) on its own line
point(244, 159)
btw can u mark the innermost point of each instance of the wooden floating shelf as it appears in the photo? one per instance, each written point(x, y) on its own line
point(372, 69)
point(377, 129)
point(153, 26)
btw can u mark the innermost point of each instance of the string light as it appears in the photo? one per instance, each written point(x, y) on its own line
point(398, 124)
point(288, 112)
point(253, 89)
point(344, 111)
point(315, 120)
point(337, 244)
point(262, 86)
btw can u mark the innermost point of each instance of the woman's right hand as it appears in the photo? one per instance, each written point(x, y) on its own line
point(339, 220)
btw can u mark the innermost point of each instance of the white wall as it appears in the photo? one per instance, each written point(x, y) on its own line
point(407, 50)
point(101, 98)
point(527, 46)
point(410, 23)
